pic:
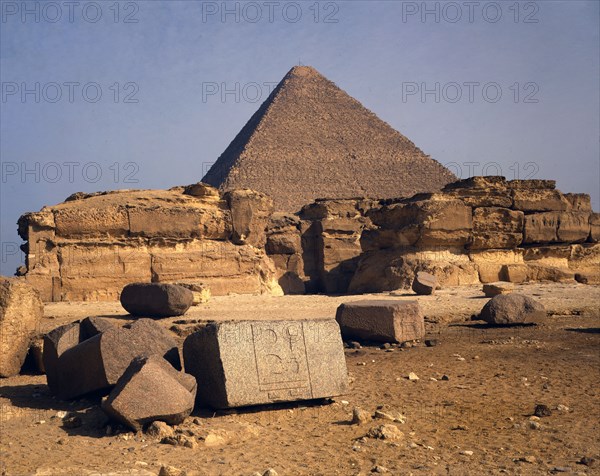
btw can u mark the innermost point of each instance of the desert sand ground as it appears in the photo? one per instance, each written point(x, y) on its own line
point(476, 422)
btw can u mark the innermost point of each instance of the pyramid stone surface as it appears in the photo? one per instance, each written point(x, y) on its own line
point(310, 140)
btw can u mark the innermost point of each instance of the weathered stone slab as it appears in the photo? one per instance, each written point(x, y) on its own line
point(210, 222)
point(440, 221)
point(551, 227)
point(98, 271)
point(579, 202)
point(150, 389)
point(327, 208)
point(284, 243)
point(446, 223)
point(203, 191)
point(541, 228)
point(223, 266)
point(424, 283)
point(478, 181)
point(549, 273)
point(483, 197)
point(381, 320)
point(497, 288)
point(515, 273)
point(257, 362)
point(96, 364)
point(93, 221)
point(532, 184)
point(573, 227)
point(507, 309)
point(21, 311)
point(528, 200)
point(521, 273)
point(92, 326)
point(156, 299)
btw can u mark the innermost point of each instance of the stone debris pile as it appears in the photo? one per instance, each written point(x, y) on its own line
point(138, 370)
point(77, 363)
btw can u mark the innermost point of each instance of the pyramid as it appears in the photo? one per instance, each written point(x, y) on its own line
point(310, 139)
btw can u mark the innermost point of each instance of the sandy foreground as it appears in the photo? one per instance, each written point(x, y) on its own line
point(476, 422)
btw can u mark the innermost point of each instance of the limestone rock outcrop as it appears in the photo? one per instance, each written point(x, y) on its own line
point(482, 229)
point(477, 230)
point(92, 245)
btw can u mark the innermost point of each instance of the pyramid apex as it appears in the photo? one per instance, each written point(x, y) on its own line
point(304, 71)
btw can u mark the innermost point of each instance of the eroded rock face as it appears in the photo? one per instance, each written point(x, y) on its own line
point(511, 222)
point(513, 308)
point(150, 390)
point(435, 221)
point(284, 247)
point(392, 269)
point(92, 245)
point(495, 227)
point(21, 311)
point(250, 212)
point(156, 300)
point(471, 232)
point(557, 227)
point(331, 242)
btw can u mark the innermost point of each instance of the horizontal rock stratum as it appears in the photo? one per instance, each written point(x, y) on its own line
point(92, 245)
point(478, 230)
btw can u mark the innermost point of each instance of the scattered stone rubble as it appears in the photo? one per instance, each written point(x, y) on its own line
point(77, 364)
point(137, 367)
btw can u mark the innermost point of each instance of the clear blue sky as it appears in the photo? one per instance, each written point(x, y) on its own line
point(164, 55)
